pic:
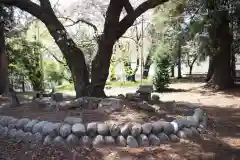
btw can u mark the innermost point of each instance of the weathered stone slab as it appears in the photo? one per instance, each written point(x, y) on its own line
point(145, 89)
point(109, 105)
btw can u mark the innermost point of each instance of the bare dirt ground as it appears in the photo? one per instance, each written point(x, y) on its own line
point(220, 142)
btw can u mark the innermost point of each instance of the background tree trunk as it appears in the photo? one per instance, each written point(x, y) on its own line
point(222, 77)
point(179, 64)
point(172, 71)
point(100, 68)
point(4, 84)
point(190, 69)
point(147, 66)
point(210, 68)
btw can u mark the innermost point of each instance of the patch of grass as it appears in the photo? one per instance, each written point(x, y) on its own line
point(70, 87)
point(128, 83)
point(65, 87)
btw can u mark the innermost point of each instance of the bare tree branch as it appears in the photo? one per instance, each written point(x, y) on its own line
point(129, 19)
point(27, 6)
point(80, 20)
point(54, 56)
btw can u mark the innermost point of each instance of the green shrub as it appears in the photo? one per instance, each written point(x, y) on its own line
point(162, 63)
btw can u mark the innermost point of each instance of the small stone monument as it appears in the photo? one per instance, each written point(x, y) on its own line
point(145, 92)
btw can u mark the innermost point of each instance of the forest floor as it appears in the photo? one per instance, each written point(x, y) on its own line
point(220, 142)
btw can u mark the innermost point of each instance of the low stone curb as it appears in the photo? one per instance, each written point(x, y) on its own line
point(74, 133)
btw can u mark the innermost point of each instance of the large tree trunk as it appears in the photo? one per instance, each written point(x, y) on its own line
point(100, 68)
point(179, 64)
point(210, 68)
point(190, 69)
point(74, 56)
point(221, 37)
point(172, 71)
point(4, 85)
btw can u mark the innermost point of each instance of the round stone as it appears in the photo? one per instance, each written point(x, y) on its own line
point(174, 138)
point(121, 141)
point(65, 130)
point(143, 140)
point(103, 129)
point(136, 130)
point(194, 131)
point(204, 121)
point(147, 128)
point(98, 141)
point(132, 142)
point(28, 127)
point(191, 121)
point(126, 129)
point(48, 129)
point(181, 122)
point(158, 126)
point(12, 123)
point(92, 129)
point(79, 129)
point(188, 132)
point(5, 120)
point(72, 140)
point(86, 141)
point(58, 141)
point(114, 130)
point(47, 141)
point(37, 138)
point(57, 127)
point(175, 126)
point(4, 132)
point(28, 137)
point(38, 127)
point(109, 140)
point(22, 122)
point(168, 128)
point(163, 137)
point(181, 134)
point(20, 135)
point(12, 133)
point(73, 120)
point(198, 113)
point(154, 140)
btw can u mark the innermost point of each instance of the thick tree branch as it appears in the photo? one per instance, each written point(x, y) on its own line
point(46, 5)
point(128, 7)
point(26, 5)
point(129, 19)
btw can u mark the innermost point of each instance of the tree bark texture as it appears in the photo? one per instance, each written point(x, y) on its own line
point(221, 39)
point(147, 66)
point(4, 84)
